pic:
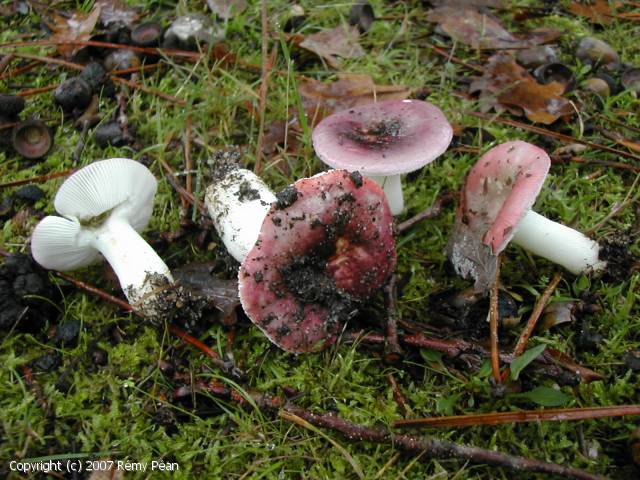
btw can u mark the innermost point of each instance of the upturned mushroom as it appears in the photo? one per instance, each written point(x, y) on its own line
point(384, 140)
point(104, 206)
point(320, 248)
point(495, 208)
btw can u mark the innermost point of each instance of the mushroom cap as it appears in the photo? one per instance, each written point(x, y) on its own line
point(499, 191)
point(324, 247)
point(384, 138)
point(116, 185)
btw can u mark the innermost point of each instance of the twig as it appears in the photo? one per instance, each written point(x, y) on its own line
point(552, 134)
point(521, 345)
point(494, 316)
point(619, 124)
point(37, 91)
point(181, 191)
point(187, 155)
point(77, 153)
point(435, 448)
point(398, 395)
point(393, 351)
point(96, 291)
point(430, 212)
point(182, 335)
point(499, 418)
point(38, 179)
point(114, 78)
point(451, 58)
point(535, 315)
point(604, 163)
point(18, 71)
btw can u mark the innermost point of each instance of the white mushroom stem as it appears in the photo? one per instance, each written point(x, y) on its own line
point(132, 259)
point(558, 243)
point(238, 204)
point(392, 186)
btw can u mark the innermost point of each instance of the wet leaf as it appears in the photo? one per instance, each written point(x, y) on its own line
point(598, 11)
point(335, 44)
point(226, 9)
point(557, 313)
point(117, 12)
point(506, 84)
point(470, 26)
point(545, 397)
point(198, 279)
point(76, 28)
point(321, 99)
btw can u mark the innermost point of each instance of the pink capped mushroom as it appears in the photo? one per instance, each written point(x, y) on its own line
point(309, 255)
point(384, 140)
point(495, 208)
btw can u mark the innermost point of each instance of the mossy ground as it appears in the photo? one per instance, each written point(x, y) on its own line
point(116, 410)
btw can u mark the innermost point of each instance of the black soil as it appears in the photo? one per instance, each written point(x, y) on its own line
point(26, 295)
point(376, 136)
point(621, 262)
point(246, 193)
point(286, 197)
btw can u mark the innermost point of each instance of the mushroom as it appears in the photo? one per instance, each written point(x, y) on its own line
point(384, 140)
point(310, 255)
point(32, 139)
point(103, 206)
point(495, 208)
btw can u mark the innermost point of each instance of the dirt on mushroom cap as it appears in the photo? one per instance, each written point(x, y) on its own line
point(316, 259)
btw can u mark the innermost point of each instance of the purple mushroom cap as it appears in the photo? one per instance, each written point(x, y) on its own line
point(384, 138)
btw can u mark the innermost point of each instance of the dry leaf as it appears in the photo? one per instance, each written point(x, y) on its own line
point(226, 9)
point(506, 84)
point(334, 44)
point(480, 30)
point(598, 11)
point(321, 99)
point(117, 12)
point(76, 28)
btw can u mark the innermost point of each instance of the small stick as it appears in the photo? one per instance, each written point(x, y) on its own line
point(398, 395)
point(264, 86)
point(539, 307)
point(38, 179)
point(494, 316)
point(114, 78)
point(535, 315)
point(18, 71)
point(453, 59)
point(552, 134)
point(187, 155)
point(500, 418)
point(619, 124)
point(436, 448)
point(394, 353)
point(604, 163)
point(181, 191)
point(182, 335)
point(29, 92)
point(430, 212)
point(96, 291)
point(77, 153)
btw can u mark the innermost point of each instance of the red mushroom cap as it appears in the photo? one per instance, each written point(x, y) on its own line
point(325, 246)
point(385, 138)
point(499, 191)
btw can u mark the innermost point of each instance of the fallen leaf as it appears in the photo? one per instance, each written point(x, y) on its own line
point(76, 28)
point(470, 26)
point(117, 12)
point(506, 84)
point(321, 99)
point(334, 44)
point(598, 11)
point(198, 279)
point(226, 9)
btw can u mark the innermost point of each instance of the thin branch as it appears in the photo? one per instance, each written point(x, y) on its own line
point(436, 448)
point(430, 212)
point(96, 291)
point(499, 418)
point(494, 316)
point(38, 179)
point(552, 134)
point(393, 350)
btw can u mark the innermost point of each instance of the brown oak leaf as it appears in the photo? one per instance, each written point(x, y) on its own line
point(334, 44)
point(76, 28)
point(505, 84)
